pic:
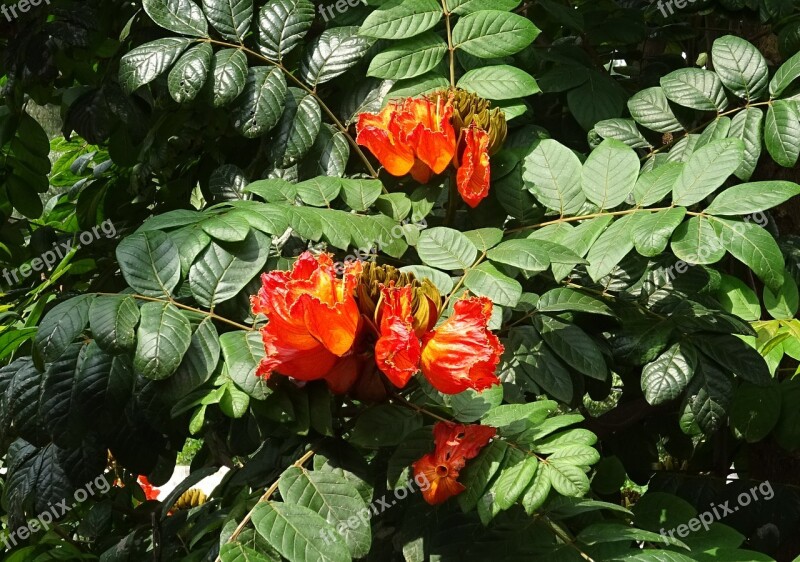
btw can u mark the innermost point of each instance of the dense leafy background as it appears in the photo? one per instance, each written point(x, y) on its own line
point(640, 244)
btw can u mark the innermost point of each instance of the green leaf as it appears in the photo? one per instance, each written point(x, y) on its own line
point(501, 82)
point(740, 66)
point(298, 129)
point(384, 426)
point(650, 108)
point(198, 364)
point(228, 76)
point(566, 479)
point(222, 270)
point(445, 248)
point(554, 172)
point(600, 533)
point(737, 298)
point(180, 16)
point(360, 195)
point(243, 352)
point(479, 473)
point(736, 356)
point(597, 99)
point(578, 455)
point(623, 130)
point(330, 153)
point(401, 19)
point(517, 473)
point(564, 299)
point(442, 281)
point(697, 242)
point(755, 247)
point(274, 190)
point(334, 498)
point(421, 85)
point(282, 25)
point(332, 54)
point(237, 552)
point(611, 247)
point(753, 411)
point(493, 34)
point(652, 231)
point(144, 63)
point(535, 365)
point(260, 105)
point(113, 322)
point(666, 378)
point(149, 263)
point(533, 255)
point(298, 533)
point(487, 281)
point(782, 304)
point(747, 125)
point(61, 326)
point(573, 346)
point(609, 174)
point(782, 132)
point(788, 72)
point(654, 185)
point(231, 18)
point(234, 402)
point(695, 88)
point(409, 58)
point(707, 399)
point(706, 170)
point(189, 74)
point(749, 198)
point(537, 492)
point(319, 192)
point(162, 339)
point(464, 7)
point(12, 340)
point(581, 239)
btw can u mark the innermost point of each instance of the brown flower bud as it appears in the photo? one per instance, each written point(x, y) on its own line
point(470, 109)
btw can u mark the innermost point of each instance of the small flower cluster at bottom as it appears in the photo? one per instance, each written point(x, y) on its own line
point(454, 445)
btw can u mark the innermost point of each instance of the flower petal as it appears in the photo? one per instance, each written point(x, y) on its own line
point(397, 351)
point(433, 136)
point(440, 488)
point(381, 134)
point(456, 443)
point(474, 172)
point(462, 353)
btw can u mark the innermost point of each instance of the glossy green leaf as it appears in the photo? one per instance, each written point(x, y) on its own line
point(445, 248)
point(180, 16)
point(501, 82)
point(231, 18)
point(143, 64)
point(163, 337)
point(401, 19)
point(332, 54)
point(740, 66)
point(260, 105)
point(695, 88)
point(282, 25)
point(409, 58)
point(609, 174)
point(493, 34)
point(706, 170)
point(667, 377)
point(554, 174)
point(782, 132)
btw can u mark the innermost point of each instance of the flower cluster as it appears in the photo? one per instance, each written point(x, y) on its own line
point(454, 445)
point(423, 136)
point(320, 327)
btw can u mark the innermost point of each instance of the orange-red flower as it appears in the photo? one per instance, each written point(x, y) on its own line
point(150, 491)
point(397, 351)
point(474, 173)
point(454, 445)
point(413, 135)
point(462, 353)
point(313, 321)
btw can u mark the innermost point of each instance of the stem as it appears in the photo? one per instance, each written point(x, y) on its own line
point(594, 216)
point(185, 307)
point(271, 490)
point(452, 201)
point(461, 281)
point(450, 46)
point(566, 538)
point(311, 92)
point(689, 132)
